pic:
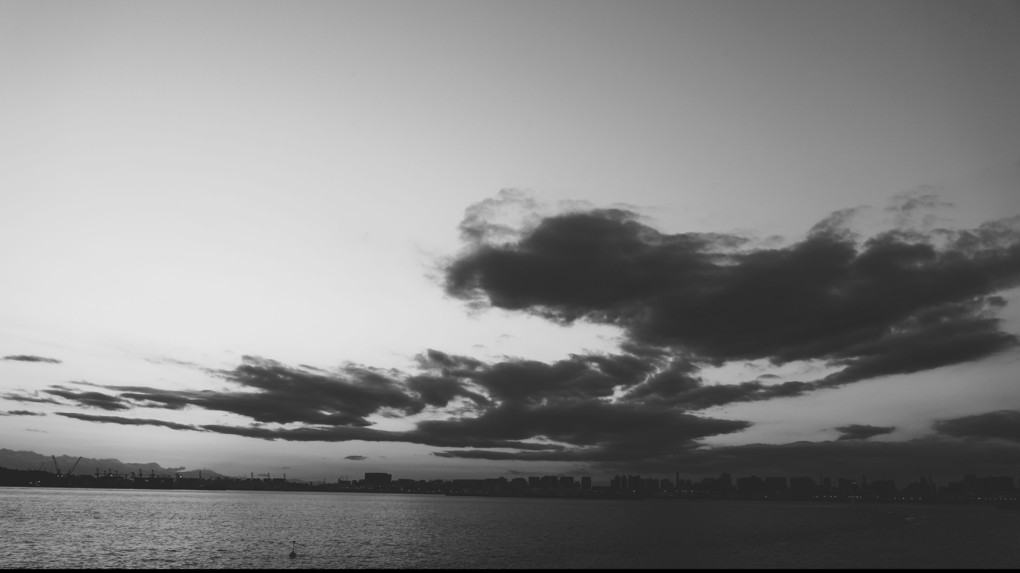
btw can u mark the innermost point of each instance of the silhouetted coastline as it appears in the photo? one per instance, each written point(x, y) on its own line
point(1000, 491)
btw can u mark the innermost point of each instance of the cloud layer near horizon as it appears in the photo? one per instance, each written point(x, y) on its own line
point(899, 301)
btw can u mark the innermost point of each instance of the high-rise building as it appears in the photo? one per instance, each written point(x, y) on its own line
point(378, 479)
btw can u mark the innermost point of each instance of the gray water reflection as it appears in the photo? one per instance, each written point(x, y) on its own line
point(75, 528)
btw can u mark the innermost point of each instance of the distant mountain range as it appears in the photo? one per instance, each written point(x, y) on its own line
point(23, 460)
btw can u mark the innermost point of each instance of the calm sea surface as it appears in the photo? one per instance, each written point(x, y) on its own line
point(76, 528)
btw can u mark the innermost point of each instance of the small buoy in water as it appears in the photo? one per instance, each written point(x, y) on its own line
point(293, 552)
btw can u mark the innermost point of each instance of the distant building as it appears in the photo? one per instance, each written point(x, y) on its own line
point(750, 485)
point(775, 484)
point(802, 485)
point(378, 479)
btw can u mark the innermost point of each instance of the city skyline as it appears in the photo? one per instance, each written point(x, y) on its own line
point(79, 471)
point(969, 489)
point(462, 238)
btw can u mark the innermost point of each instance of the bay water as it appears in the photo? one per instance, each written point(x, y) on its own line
point(150, 529)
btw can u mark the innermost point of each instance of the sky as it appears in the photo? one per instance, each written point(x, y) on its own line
point(449, 239)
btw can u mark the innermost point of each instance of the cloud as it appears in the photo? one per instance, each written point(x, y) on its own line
point(34, 398)
point(635, 377)
point(677, 384)
point(517, 404)
point(346, 434)
point(904, 459)
point(862, 432)
point(488, 219)
point(126, 421)
point(923, 456)
point(594, 429)
point(939, 336)
point(1002, 424)
point(897, 301)
point(917, 209)
point(314, 434)
point(645, 426)
point(439, 391)
point(21, 413)
point(900, 301)
point(356, 458)
point(531, 381)
point(89, 398)
point(172, 361)
point(634, 406)
point(30, 358)
point(284, 395)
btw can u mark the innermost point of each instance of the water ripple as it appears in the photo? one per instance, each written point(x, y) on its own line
point(79, 528)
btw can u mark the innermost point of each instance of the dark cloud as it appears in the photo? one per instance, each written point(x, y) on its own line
point(318, 434)
point(862, 432)
point(898, 302)
point(633, 406)
point(1002, 424)
point(30, 358)
point(21, 413)
point(447, 363)
point(523, 405)
point(348, 433)
point(532, 381)
point(445, 378)
point(939, 336)
point(126, 421)
point(638, 376)
point(515, 380)
point(348, 397)
point(89, 398)
point(646, 427)
point(596, 264)
point(356, 458)
point(645, 376)
point(284, 395)
point(708, 395)
point(592, 427)
point(438, 391)
point(34, 398)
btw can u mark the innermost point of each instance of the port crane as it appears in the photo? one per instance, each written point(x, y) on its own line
point(56, 468)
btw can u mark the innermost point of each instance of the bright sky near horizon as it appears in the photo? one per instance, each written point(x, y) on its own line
point(230, 233)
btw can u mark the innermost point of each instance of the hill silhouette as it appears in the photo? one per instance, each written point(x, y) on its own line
point(26, 460)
